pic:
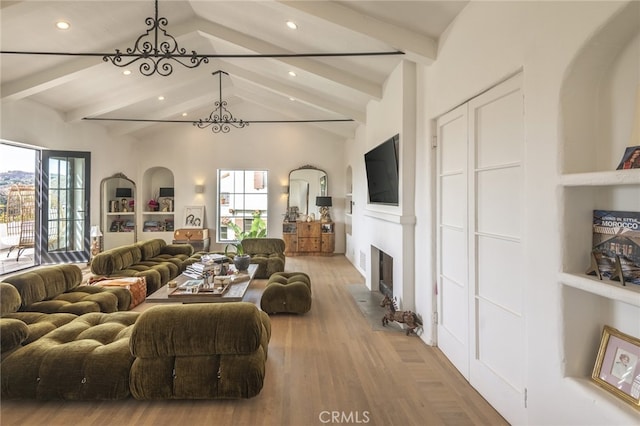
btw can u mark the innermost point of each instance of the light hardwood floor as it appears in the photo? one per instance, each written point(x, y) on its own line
point(325, 367)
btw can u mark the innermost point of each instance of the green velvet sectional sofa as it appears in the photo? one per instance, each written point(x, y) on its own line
point(201, 351)
point(153, 259)
point(59, 288)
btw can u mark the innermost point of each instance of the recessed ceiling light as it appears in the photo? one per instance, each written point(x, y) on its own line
point(62, 25)
point(292, 25)
point(184, 114)
point(126, 72)
point(292, 74)
point(292, 99)
point(161, 98)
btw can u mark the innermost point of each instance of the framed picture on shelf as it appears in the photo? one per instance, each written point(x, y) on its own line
point(617, 367)
point(630, 158)
point(193, 217)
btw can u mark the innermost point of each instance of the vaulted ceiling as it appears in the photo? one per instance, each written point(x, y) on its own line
point(256, 88)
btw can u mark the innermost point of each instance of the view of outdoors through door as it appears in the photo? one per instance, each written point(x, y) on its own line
point(17, 207)
point(64, 232)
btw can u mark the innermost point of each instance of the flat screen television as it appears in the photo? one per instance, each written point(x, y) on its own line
point(381, 164)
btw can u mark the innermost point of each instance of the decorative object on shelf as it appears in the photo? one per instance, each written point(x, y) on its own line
point(327, 228)
point(615, 246)
point(409, 318)
point(630, 159)
point(617, 366)
point(593, 267)
point(292, 214)
point(193, 217)
point(167, 199)
point(324, 203)
point(152, 226)
point(617, 274)
point(154, 205)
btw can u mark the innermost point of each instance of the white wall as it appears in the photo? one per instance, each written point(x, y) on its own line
point(194, 155)
point(487, 42)
point(387, 228)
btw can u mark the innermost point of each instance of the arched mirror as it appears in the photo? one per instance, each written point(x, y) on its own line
point(305, 184)
point(117, 211)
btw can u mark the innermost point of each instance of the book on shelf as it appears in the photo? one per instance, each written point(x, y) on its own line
point(616, 244)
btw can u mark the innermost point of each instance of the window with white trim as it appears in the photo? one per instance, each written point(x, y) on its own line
point(242, 204)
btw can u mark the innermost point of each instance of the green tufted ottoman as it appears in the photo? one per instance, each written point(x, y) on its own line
point(199, 351)
point(287, 292)
point(86, 359)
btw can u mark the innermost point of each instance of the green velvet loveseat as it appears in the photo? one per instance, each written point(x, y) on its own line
point(155, 260)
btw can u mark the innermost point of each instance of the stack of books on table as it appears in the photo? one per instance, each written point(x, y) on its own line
point(198, 270)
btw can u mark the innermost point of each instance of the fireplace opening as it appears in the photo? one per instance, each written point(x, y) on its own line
point(386, 274)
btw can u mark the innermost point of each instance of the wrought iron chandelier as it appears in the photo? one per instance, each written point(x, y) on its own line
point(156, 48)
point(220, 119)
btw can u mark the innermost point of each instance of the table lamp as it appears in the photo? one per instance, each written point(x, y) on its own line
point(324, 203)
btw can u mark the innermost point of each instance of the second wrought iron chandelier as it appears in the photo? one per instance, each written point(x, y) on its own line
point(220, 119)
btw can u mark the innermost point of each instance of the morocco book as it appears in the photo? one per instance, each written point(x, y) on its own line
point(617, 233)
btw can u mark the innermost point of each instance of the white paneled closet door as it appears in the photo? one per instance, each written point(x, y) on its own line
point(493, 246)
point(453, 274)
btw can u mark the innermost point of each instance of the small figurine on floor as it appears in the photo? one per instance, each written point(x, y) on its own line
point(404, 317)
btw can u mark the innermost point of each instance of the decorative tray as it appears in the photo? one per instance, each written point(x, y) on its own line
point(193, 287)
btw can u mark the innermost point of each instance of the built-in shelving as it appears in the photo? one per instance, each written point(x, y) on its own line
point(118, 212)
point(595, 135)
point(158, 223)
point(612, 290)
point(609, 178)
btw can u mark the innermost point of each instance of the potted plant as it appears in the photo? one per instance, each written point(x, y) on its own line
point(258, 230)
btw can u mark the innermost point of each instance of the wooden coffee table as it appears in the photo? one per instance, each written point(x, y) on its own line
point(234, 293)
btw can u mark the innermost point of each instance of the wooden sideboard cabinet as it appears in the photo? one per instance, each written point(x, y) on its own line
point(309, 238)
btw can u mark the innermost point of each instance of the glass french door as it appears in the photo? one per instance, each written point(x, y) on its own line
point(64, 200)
